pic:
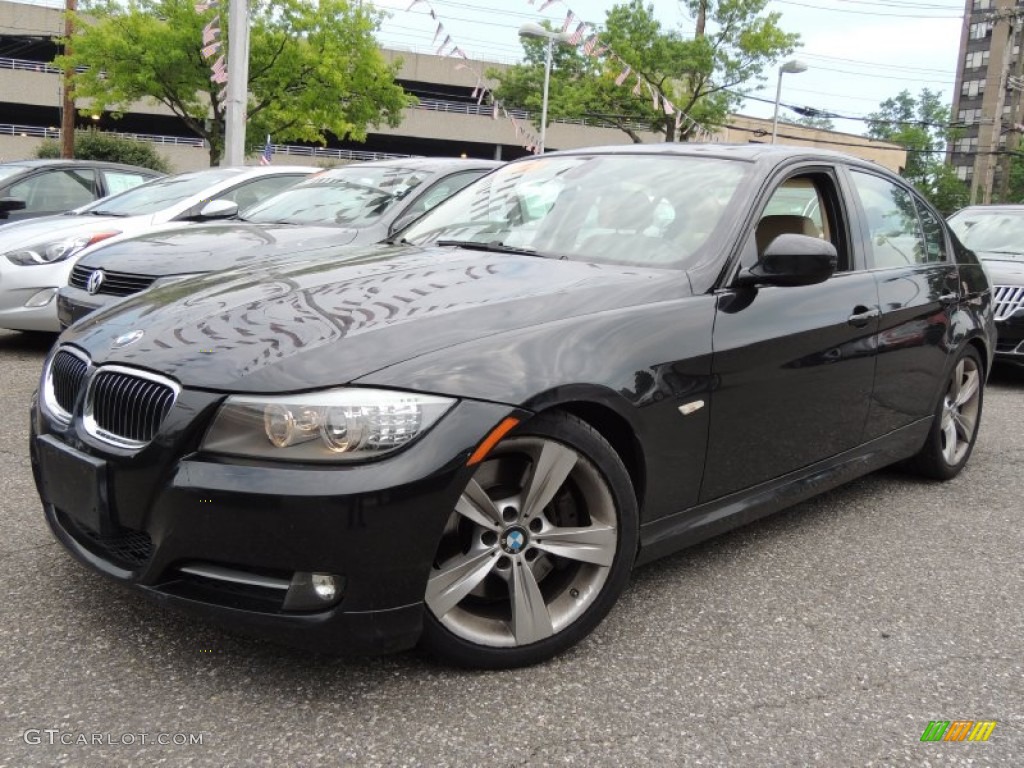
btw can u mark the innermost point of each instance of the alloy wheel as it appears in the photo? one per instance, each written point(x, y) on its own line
point(960, 411)
point(527, 549)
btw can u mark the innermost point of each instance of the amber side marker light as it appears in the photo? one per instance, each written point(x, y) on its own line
point(492, 439)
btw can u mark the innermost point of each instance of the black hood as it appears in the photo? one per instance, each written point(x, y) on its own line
point(317, 323)
point(199, 248)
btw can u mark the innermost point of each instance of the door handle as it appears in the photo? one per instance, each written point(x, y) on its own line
point(862, 316)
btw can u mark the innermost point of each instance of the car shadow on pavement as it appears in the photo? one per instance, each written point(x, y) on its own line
point(26, 341)
point(1007, 374)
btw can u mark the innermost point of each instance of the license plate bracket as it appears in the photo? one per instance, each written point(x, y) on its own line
point(76, 484)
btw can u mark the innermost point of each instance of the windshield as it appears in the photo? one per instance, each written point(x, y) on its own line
point(10, 170)
point(157, 195)
point(991, 231)
point(641, 210)
point(355, 196)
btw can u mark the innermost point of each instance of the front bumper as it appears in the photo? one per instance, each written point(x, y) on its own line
point(1010, 341)
point(73, 304)
point(171, 520)
point(22, 286)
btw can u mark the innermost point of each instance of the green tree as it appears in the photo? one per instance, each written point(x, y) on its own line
point(314, 68)
point(810, 121)
point(922, 126)
point(701, 75)
point(92, 144)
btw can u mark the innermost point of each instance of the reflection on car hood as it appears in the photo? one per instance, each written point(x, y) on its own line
point(194, 248)
point(316, 323)
point(1003, 270)
point(19, 234)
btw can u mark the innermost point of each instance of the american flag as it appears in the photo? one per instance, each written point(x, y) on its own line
point(268, 152)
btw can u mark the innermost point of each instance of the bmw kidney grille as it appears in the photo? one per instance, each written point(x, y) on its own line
point(122, 405)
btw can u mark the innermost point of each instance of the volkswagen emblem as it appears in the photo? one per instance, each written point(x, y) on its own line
point(127, 338)
point(94, 282)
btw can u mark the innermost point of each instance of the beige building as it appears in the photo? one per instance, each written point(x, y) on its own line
point(452, 124)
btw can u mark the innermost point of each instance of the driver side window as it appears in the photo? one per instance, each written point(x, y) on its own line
point(800, 205)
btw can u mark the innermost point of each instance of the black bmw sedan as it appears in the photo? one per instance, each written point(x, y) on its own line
point(466, 439)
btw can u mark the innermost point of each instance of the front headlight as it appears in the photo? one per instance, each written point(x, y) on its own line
point(337, 425)
point(53, 251)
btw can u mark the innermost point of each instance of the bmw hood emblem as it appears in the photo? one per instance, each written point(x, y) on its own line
point(127, 338)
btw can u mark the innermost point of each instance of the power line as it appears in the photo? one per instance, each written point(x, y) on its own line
point(871, 13)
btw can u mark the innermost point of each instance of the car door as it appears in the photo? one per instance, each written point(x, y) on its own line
point(908, 254)
point(793, 366)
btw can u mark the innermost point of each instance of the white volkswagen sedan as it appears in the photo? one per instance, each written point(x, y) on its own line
point(36, 256)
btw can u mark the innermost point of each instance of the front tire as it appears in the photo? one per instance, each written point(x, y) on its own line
point(955, 425)
point(536, 551)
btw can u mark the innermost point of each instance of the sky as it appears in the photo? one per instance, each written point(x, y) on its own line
point(858, 52)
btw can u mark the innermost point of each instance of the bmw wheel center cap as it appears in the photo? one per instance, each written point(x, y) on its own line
point(513, 540)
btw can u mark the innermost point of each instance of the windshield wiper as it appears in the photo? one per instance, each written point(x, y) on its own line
point(107, 213)
point(1003, 253)
point(494, 246)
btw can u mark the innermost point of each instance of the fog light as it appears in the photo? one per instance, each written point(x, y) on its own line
point(313, 591)
point(325, 586)
point(42, 298)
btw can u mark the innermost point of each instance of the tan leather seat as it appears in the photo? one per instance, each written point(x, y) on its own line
point(771, 227)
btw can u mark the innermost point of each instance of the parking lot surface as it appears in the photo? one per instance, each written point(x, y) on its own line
point(830, 634)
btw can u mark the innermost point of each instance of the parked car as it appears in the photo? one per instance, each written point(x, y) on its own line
point(468, 437)
point(30, 188)
point(996, 234)
point(353, 205)
point(36, 256)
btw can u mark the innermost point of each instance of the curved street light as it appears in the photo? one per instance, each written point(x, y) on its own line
point(791, 67)
point(534, 30)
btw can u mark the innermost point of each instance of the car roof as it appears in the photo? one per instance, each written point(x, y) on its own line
point(36, 163)
point(744, 152)
point(994, 208)
point(426, 163)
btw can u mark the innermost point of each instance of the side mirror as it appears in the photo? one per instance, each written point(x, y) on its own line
point(8, 204)
point(219, 209)
point(793, 260)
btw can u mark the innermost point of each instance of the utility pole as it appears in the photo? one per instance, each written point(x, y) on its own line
point(238, 82)
point(67, 118)
point(992, 104)
point(1016, 83)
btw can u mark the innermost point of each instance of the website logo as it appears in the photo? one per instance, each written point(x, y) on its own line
point(958, 730)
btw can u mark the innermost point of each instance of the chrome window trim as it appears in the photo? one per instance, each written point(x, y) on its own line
point(88, 420)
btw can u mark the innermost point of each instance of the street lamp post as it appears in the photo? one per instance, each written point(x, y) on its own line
point(791, 67)
point(531, 29)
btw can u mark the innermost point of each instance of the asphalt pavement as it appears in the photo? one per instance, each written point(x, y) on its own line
point(830, 634)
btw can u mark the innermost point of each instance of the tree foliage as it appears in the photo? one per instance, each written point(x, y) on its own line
point(810, 121)
point(922, 126)
point(92, 144)
point(702, 75)
point(314, 68)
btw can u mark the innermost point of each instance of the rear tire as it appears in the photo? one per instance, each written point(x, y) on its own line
point(537, 550)
point(955, 424)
